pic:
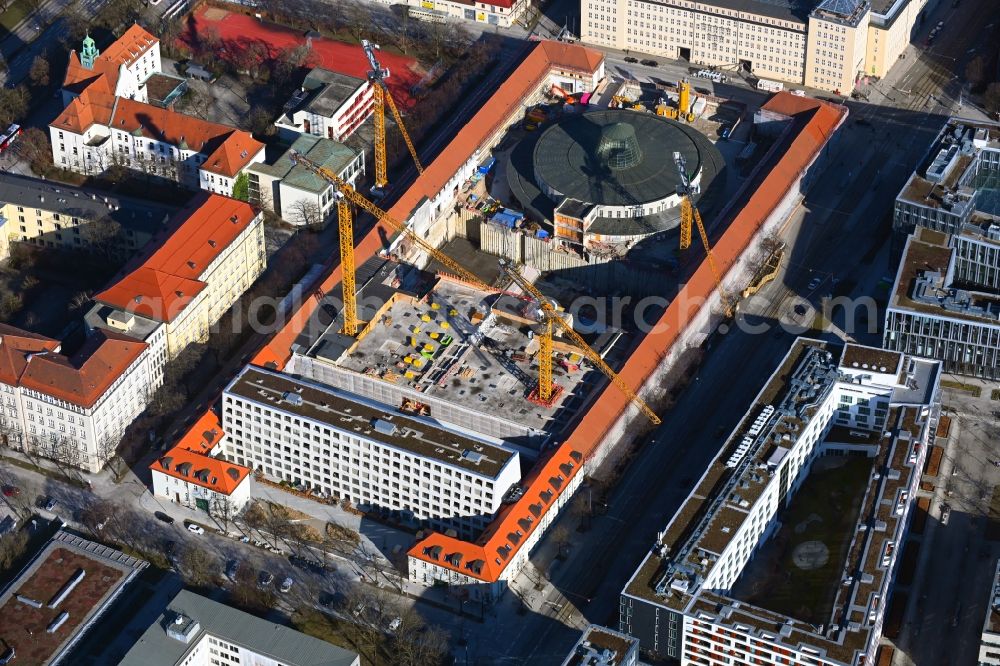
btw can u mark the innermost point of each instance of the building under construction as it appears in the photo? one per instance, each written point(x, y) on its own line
point(451, 353)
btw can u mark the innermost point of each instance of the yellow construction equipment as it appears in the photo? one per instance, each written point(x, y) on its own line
point(684, 99)
point(377, 76)
point(552, 317)
point(347, 265)
point(545, 359)
point(689, 214)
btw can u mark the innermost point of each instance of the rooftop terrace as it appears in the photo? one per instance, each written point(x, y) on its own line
point(382, 423)
point(45, 609)
point(921, 285)
point(719, 504)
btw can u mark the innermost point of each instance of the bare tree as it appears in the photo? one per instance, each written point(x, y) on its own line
point(223, 510)
point(415, 644)
point(198, 566)
point(107, 238)
point(107, 454)
point(561, 539)
point(39, 72)
point(305, 213)
point(12, 547)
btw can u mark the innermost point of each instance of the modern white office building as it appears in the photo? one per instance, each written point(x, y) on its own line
point(371, 455)
point(684, 601)
point(328, 105)
point(944, 303)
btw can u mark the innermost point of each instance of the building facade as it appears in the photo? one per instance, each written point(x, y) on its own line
point(192, 473)
point(56, 216)
point(108, 123)
point(364, 453)
point(829, 47)
point(882, 405)
point(989, 644)
point(73, 409)
point(191, 276)
point(944, 304)
point(329, 105)
point(499, 13)
point(295, 193)
point(951, 187)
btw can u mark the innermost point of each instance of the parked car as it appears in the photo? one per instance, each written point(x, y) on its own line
point(631, 59)
point(11, 491)
point(50, 503)
point(650, 63)
point(394, 624)
point(163, 517)
point(286, 585)
point(945, 514)
point(264, 579)
point(815, 282)
point(195, 528)
point(232, 566)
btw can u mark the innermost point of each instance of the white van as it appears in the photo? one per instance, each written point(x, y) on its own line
point(769, 85)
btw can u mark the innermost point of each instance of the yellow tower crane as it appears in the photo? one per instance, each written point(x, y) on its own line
point(553, 319)
point(377, 76)
point(689, 214)
point(350, 195)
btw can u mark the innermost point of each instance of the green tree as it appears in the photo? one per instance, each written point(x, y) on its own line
point(241, 187)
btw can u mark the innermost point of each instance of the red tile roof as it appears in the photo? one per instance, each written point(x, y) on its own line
point(228, 150)
point(190, 461)
point(34, 362)
point(124, 51)
point(169, 278)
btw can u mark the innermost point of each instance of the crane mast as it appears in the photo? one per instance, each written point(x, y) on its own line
point(552, 319)
point(382, 98)
point(691, 217)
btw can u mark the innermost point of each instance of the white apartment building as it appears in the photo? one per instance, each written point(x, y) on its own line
point(190, 277)
point(328, 105)
point(295, 193)
point(192, 474)
point(827, 47)
point(871, 402)
point(368, 454)
point(76, 409)
point(193, 630)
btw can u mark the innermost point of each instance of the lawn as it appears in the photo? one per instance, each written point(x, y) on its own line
point(825, 509)
point(14, 14)
point(974, 391)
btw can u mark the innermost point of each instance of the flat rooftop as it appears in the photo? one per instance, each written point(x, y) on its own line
point(451, 341)
point(48, 606)
point(86, 204)
point(784, 10)
point(601, 647)
point(713, 513)
point(921, 286)
point(345, 412)
point(940, 181)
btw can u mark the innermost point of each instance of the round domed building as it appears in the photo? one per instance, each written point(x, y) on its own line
point(609, 176)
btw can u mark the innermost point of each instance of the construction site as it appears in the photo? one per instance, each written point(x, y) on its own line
point(488, 343)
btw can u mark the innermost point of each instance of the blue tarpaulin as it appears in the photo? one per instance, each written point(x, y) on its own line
point(505, 219)
point(485, 167)
point(541, 233)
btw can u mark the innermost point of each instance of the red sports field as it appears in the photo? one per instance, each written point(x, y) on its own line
point(238, 30)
